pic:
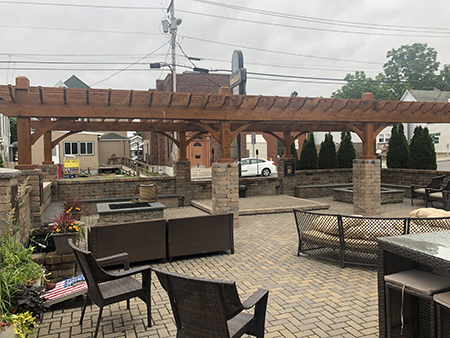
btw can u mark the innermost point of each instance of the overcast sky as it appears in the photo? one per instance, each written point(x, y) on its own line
point(312, 39)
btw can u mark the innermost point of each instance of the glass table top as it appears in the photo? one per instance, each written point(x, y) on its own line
point(435, 244)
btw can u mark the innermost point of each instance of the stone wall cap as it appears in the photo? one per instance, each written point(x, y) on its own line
point(9, 173)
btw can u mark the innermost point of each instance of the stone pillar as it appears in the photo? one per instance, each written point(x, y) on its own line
point(35, 182)
point(225, 190)
point(8, 186)
point(366, 187)
point(286, 175)
point(50, 174)
point(182, 172)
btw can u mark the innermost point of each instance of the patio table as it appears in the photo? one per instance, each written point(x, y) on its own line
point(428, 252)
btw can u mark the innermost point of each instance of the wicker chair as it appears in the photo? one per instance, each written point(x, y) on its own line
point(438, 195)
point(106, 288)
point(420, 190)
point(212, 309)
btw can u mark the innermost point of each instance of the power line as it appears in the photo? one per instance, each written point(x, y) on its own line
point(78, 5)
point(209, 41)
point(129, 65)
point(321, 20)
point(315, 28)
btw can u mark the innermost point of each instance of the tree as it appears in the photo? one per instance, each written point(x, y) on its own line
point(411, 67)
point(327, 153)
point(346, 152)
point(1, 162)
point(408, 67)
point(398, 150)
point(13, 128)
point(308, 155)
point(422, 154)
point(359, 84)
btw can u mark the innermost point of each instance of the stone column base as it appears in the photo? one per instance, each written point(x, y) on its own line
point(286, 174)
point(366, 187)
point(182, 172)
point(225, 190)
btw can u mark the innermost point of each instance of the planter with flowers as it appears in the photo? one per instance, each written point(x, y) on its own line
point(20, 303)
point(73, 206)
point(65, 225)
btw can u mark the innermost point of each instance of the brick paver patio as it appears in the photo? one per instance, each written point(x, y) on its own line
point(308, 297)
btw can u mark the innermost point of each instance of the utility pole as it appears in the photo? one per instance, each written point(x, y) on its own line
point(174, 23)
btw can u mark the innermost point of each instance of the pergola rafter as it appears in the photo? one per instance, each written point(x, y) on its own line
point(222, 115)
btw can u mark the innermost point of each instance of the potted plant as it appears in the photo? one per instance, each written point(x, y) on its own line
point(65, 225)
point(73, 206)
point(18, 272)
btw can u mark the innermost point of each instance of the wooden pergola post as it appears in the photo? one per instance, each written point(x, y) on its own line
point(287, 144)
point(23, 126)
point(182, 155)
point(48, 148)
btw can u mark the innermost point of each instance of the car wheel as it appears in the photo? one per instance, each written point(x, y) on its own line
point(265, 172)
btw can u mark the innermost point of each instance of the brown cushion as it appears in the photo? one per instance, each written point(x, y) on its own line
point(442, 298)
point(320, 237)
point(419, 281)
point(327, 224)
point(371, 233)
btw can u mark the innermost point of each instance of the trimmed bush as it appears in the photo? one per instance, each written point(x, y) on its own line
point(346, 152)
point(327, 153)
point(308, 155)
point(422, 154)
point(398, 151)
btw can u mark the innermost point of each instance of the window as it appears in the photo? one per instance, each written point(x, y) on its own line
point(197, 144)
point(86, 148)
point(70, 148)
point(381, 138)
point(388, 136)
point(78, 148)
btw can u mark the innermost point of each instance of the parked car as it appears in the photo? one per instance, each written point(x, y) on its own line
point(253, 166)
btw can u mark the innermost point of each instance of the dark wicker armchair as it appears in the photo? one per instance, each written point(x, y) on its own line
point(106, 288)
point(420, 190)
point(212, 309)
point(438, 195)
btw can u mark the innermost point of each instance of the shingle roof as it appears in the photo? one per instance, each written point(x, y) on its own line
point(74, 82)
point(112, 136)
point(430, 95)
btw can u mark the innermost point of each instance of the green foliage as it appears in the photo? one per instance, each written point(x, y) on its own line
point(327, 153)
point(138, 133)
point(13, 128)
point(359, 84)
point(308, 155)
point(1, 162)
point(346, 152)
point(422, 154)
point(408, 67)
point(398, 151)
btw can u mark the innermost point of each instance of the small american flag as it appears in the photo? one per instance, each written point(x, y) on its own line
point(66, 289)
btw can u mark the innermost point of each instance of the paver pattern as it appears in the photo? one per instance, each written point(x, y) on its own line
point(308, 297)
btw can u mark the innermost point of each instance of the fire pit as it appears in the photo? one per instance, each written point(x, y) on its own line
point(120, 212)
point(387, 195)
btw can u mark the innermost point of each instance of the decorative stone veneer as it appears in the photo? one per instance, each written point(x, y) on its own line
point(49, 173)
point(59, 266)
point(366, 187)
point(288, 179)
point(225, 190)
point(8, 186)
point(182, 172)
point(35, 182)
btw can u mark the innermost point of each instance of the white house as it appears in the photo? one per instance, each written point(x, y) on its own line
point(5, 136)
point(439, 131)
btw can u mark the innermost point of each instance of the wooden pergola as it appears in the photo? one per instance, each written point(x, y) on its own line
point(222, 115)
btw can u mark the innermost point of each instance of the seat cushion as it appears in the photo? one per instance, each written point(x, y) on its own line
point(443, 299)
point(419, 281)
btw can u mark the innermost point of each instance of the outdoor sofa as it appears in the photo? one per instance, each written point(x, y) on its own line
point(163, 239)
point(352, 239)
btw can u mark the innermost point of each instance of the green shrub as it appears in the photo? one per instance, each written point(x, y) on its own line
point(327, 153)
point(398, 151)
point(308, 155)
point(346, 152)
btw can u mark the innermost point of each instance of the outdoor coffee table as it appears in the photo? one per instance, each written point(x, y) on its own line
point(428, 252)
